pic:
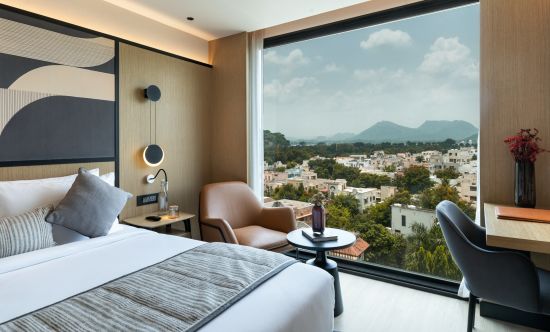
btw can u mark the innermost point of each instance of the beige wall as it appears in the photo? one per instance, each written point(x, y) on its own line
point(228, 132)
point(183, 126)
point(515, 91)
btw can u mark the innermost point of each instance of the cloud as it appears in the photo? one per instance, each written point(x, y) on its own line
point(378, 75)
point(291, 89)
point(294, 57)
point(396, 38)
point(449, 55)
point(332, 68)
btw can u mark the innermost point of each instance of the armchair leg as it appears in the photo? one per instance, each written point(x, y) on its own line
point(471, 312)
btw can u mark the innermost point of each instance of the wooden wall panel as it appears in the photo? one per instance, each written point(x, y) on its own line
point(183, 127)
point(50, 171)
point(515, 91)
point(228, 122)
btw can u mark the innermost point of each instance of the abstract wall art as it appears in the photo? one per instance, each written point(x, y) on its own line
point(57, 92)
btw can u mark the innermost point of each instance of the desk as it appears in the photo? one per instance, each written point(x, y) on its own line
point(513, 234)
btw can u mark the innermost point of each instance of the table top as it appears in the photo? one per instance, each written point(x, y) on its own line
point(345, 239)
point(515, 234)
point(140, 221)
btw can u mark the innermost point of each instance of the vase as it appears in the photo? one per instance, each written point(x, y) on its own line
point(525, 194)
point(318, 219)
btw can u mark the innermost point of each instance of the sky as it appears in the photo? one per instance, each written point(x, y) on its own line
point(408, 71)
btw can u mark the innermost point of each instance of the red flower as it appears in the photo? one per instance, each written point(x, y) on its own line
point(524, 146)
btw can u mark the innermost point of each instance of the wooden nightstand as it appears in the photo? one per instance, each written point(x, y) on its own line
point(141, 222)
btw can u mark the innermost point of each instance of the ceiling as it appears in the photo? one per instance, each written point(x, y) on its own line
point(219, 18)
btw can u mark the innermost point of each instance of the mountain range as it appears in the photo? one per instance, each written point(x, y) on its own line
point(386, 131)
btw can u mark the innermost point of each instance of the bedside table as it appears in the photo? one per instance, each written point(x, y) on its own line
point(141, 222)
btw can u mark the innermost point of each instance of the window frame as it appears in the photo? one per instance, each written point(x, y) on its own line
point(405, 278)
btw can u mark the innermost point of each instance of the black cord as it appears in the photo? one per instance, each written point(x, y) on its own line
point(163, 171)
point(150, 123)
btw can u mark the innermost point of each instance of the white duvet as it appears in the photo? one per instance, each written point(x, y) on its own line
point(300, 298)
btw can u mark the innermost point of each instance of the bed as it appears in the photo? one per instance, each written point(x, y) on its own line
point(298, 298)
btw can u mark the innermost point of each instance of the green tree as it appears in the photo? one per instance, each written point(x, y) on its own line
point(429, 198)
point(390, 168)
point(344, 201)
point(338, 217)
point(427, 253)
point(385, 247)
point(368, 180)
point(419, 159)
point(416, 179)
point(381, 213)
point(447, 174)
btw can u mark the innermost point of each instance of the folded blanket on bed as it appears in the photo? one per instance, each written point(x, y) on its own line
point(181, 293)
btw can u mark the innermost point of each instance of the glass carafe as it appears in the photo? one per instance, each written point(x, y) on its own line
point(163, 197)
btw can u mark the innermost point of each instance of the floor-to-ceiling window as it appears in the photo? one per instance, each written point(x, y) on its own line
point(384, 121)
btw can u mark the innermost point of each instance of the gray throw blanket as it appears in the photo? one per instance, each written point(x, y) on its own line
point(182, 293)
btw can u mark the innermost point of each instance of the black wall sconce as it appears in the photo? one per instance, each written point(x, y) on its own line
point(153, 155)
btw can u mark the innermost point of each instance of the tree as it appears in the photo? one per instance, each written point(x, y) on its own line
point(344, 201)
point(338, 217)
point(390, 168)
point(447, 174)
point(429, 198)
point(288, 191)
point(381, 213)
point(368, 180)
point(385, 247)
point(419, 159)
point(416, 179)
point(427, 253)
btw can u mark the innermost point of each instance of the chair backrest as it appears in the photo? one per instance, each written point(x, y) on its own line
point(505, 277)
point(233, 201)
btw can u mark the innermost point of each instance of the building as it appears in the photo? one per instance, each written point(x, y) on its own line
point(365, 196)
point(404, 216)
point(302, 210)
point(467, 187)
point(355, 252)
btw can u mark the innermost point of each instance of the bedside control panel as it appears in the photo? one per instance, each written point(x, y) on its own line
point(147, 199)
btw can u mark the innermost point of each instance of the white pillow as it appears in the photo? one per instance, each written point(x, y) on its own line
point(18, 197)
point(110, 179)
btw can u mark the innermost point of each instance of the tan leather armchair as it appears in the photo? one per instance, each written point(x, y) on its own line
point(230, 212)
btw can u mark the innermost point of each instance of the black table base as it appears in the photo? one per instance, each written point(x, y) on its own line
point(331, 267)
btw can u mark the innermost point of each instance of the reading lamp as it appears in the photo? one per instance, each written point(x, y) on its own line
point(163, 195)
point(153, 155)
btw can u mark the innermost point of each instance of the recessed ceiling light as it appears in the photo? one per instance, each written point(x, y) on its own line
point(189, 18)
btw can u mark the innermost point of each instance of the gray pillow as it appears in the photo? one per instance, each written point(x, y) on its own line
point(63, 235)
point(26, 232)
point(90, 207)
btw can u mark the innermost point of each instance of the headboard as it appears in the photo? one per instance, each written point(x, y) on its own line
point(48, 171)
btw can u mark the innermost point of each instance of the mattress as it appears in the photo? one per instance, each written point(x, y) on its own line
point(300, 298)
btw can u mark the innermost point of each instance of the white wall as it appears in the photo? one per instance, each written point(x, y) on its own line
point(413, 216)
point(107, 18)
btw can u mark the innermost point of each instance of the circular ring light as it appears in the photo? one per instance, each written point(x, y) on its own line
point(153, 155)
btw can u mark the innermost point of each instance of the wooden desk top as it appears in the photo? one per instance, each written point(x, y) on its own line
point(514, 234)
point(140, 221)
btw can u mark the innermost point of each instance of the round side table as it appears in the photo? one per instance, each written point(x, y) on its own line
point(345, 239)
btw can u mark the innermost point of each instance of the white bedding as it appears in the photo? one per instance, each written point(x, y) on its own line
point(300, 298)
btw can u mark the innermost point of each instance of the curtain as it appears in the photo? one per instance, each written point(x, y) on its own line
point(255, 137)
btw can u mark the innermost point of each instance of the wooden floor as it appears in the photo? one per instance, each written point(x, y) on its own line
point(371, 305)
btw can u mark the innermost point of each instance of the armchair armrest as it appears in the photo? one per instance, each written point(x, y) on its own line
point(280, 219)
point(217, 230)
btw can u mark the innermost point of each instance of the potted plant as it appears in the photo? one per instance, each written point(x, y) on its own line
point(524, 148)
point(318, 213)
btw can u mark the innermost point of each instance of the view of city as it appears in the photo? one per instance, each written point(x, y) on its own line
point(383, 121)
